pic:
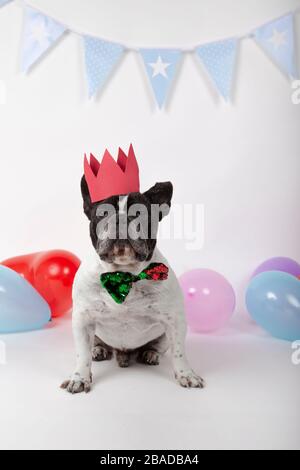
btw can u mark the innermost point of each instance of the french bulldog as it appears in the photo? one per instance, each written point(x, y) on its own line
point(150, 320)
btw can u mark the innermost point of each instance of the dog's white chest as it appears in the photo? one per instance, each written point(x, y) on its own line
point(128, 334)
point(143, 316)
point(134, 323)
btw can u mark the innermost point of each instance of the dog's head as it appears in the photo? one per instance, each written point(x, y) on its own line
point(124, 228)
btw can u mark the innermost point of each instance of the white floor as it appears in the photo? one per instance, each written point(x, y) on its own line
point(252, 399)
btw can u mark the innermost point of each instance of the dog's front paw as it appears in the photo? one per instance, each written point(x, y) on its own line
point(151, 358)
point(77, 384)
point(189, 379)
point(100, 353)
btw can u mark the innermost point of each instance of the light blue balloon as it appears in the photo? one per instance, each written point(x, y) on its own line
point(273, 300)
point(21, 306)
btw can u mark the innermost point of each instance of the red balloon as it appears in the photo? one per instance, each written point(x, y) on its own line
point(51, 273)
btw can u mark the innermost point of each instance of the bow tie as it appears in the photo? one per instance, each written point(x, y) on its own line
point(118, 284)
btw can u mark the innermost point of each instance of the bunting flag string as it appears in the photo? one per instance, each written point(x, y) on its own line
point(219, 58)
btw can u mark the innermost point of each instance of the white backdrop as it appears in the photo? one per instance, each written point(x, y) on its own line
point(241, 161)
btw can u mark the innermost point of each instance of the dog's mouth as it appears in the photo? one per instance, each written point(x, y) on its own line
point(122, 252)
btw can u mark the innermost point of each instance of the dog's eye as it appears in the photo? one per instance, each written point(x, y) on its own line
point(103, 216)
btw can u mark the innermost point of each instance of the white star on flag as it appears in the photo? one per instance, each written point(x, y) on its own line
point(159, 67)
point(278, 39)
point(39, 33)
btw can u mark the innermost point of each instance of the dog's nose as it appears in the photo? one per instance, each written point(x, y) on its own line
point(122, 249)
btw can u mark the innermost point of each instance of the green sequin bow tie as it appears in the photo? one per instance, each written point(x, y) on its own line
point(118, 284)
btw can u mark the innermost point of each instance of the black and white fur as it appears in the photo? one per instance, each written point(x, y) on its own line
point(149, 322)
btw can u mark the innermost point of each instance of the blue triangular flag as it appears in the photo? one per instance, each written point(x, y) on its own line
point(161, 67)
point(277, 39)
point(100, 59)
point(3, 2)
point(40, 33)
point(219, 59)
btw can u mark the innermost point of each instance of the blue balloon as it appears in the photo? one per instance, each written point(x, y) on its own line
point(21, 306)
point(273, 300)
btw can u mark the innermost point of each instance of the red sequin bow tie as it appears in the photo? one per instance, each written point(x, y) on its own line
point(118, 284)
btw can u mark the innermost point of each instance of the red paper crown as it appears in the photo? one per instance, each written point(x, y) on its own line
point(111, 178)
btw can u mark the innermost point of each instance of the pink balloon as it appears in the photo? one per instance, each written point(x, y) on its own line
point(209, 299)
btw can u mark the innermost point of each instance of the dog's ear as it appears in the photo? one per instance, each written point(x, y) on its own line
point(161, 194)
point(87, 203)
